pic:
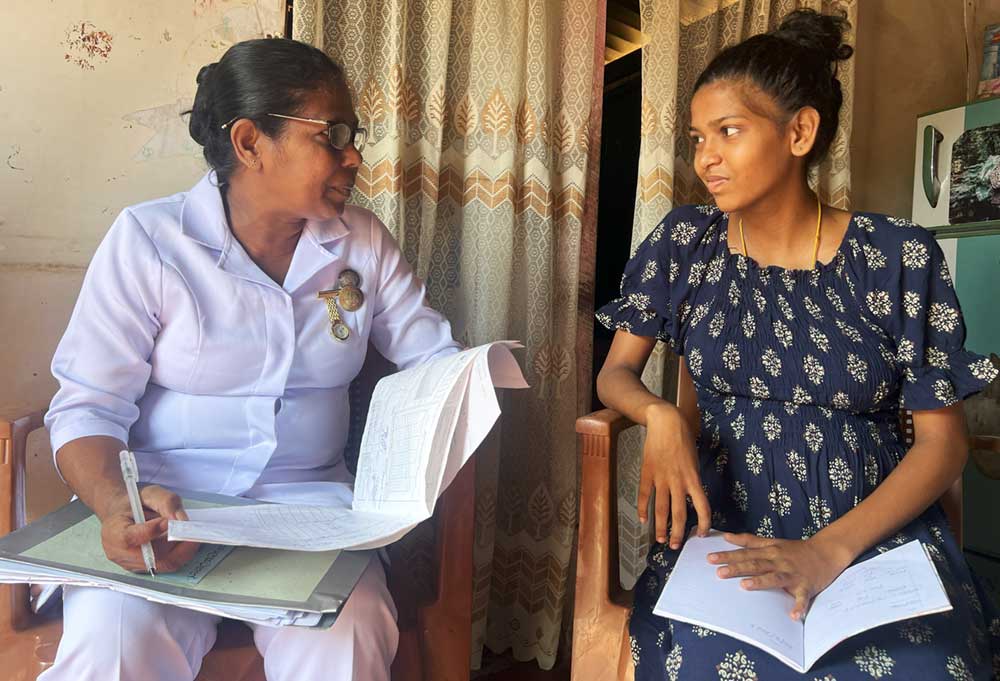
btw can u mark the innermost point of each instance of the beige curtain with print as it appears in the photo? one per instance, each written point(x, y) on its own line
point(684, 37)
point(485, 120)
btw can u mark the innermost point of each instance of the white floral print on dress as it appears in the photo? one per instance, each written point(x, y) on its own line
point(943, 317)
point(912, 304)
point(879, 303)
point(771, 362)
point(915, 255)
point(874, 661)
point(736, 667)
point(840, 475)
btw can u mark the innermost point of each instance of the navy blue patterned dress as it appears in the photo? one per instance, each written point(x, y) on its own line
point(800, 375)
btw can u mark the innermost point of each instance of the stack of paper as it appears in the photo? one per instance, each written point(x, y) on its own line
point(263, 586)
point(423, 425)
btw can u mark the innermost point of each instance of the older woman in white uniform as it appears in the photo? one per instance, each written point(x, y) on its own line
point(200, 341)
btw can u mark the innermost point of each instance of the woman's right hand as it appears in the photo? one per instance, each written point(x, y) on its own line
point(670, 467)
point(122, 537)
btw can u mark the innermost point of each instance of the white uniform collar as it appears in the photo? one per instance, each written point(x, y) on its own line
point(203, 217)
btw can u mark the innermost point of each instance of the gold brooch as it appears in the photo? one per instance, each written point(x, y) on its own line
point(348, 296)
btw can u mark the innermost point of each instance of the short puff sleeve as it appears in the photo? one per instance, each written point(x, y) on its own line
point(917, 304)
point(654, 285)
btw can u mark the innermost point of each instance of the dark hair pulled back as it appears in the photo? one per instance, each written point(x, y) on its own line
point(796, 65)
point(254, 78)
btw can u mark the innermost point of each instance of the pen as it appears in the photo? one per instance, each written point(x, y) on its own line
point(130, 473)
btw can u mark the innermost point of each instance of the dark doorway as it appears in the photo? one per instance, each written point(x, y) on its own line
point(620, 137)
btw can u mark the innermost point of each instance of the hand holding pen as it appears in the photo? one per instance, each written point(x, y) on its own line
point(130, 474)
point(124, 529)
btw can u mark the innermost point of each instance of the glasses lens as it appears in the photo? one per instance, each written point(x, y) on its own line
point(341, 135)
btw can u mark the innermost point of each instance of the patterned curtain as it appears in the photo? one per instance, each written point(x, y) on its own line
point(684, 37)
point(485, 123)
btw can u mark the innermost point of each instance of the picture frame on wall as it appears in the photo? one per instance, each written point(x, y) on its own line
point(989, 72)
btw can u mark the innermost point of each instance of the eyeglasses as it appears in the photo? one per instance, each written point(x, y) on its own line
point(340, 134)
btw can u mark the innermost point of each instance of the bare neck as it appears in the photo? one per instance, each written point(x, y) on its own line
point(268, 236)
point(261, 230)
point(780, 228)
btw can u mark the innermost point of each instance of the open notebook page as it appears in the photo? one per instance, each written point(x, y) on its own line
point(694, 594)
point(897, 585)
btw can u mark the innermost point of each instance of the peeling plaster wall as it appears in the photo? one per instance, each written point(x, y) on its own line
point(90, 97)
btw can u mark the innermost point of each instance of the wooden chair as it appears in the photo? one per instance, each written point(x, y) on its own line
point(435, 622)
point(600, 632)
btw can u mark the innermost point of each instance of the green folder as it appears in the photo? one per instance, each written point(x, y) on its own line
point(68, 540)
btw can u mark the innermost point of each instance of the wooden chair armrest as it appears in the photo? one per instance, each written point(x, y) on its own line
point(600, 608)
point(984, 451)
point(445, 624)
point(985, 443)
point(456, 522)
point(598, 578)
point(603, 423)
point(15, 425)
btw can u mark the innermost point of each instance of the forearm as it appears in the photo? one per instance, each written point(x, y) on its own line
point(621, 389)
point(91, 468)
point(924, 474)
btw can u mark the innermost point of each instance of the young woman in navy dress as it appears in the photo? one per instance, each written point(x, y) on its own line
point(803, 330)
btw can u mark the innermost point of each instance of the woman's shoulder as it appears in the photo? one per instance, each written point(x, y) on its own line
point(358, 218)
point(685, 228)
point(197, 213)
point(157, 222)
point(152, 215)
point(697, 216)
point(879, 228)
point(891, 243)
point(364, 228)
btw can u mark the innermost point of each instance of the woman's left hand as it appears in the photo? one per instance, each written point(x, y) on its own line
point(803, 568)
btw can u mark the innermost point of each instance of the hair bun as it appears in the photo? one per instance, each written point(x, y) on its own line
point(201, 121)
point(822, 34)
point(198, 126)
point(205, 72)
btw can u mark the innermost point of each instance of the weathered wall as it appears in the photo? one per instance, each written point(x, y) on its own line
point(90, 97)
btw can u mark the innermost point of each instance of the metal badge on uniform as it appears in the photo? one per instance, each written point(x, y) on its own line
point(351, 297)
point(348, 296)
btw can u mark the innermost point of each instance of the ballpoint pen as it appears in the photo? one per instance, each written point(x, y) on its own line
point(130, 473)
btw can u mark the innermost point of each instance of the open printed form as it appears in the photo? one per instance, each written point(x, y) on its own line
point(896, 585)
point(423, 425)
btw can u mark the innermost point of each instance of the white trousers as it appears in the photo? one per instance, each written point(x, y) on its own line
point(108, 636)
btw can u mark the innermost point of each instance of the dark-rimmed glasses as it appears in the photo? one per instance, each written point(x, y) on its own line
point(339, 134)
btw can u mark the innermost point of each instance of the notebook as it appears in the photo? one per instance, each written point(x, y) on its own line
point(899, 584)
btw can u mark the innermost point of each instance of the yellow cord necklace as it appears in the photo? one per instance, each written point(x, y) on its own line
point(819, 223)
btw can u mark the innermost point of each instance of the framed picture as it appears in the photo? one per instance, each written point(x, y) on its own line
point(975, 176)
point(989, 74)
point(956, 174)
